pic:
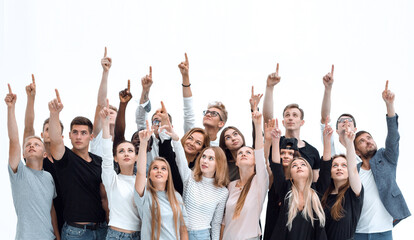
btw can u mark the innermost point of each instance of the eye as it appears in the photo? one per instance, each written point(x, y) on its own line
point(204, 156)
point(121, 150)
point(226, 138)
point(164, 168)
point(235, 134)
point(344, 165)
point(199, 143)
point(155, 168)
point(335, 165)
point(240, 153)
point(130, 150)
point(211, 159)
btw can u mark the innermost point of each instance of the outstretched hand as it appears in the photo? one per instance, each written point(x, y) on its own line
point(328, 131)
point(104, 113)
point(125, 95)
point(328, 79)
point(31, 88)
point(146, 81)
point(106, 62)
point(10, 98)
point(256, 116)
point(268, 127)
point(55, 106)
point(387, 95)
point(254, 98)
point(273, 78)
point(349, 135)
point(145, 134)
point(276, 133)
point(184, 66)
point(169, 130)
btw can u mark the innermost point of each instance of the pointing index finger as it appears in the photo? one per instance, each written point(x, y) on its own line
point(33, 79)
point(277, 69)
point(186, 58)
point(107, 104)
point(57, 95)
point(163, 109)
point(129, 85)
point(105, 53)
point(386, 86)
point(332, 71)
point(150, 73)
point(10, 91)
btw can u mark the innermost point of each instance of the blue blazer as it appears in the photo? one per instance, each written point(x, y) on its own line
point(383, 166)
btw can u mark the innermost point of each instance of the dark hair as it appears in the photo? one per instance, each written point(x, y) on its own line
point(47, 121)
point(169, 116)
point(124, 141)
point(222, 142)
point(346, 115)
point(359, 134)
point(82, 121)
point(294, 105)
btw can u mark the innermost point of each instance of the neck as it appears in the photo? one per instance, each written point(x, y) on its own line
point(83, 153)
point(365, 164)
point(234, 154)
point(190, 157)
point(127, 170)
point(35, 164)
point(211, 132)
point(245, 174)
point(338, 184)
point(300, 185)
point(295, 134)
point(159, 186)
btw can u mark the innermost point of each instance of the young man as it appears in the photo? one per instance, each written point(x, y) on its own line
point(48, 163)
point(292, 121)
point(384, 205)
point(79, 173)
point(337, 140)
point(215, 117)
point(32, 188)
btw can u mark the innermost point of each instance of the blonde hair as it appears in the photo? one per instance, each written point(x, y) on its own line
point(312, 204)
point(222, 108)
point(174, 203)
point(221, 176)
point(206, 142)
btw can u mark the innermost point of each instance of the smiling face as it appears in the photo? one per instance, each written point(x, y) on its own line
point(299, 169)
point(80, 137)
point(125, 155)
point(208, 163)
point(245, 157)
point(339, 170)
point(194, 143)
point(158, 172)
point(292, 119)
point(233, 140)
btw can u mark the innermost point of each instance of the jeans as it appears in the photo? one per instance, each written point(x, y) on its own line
point(74, 233)
point(374, 236)
point(115, 235)
point(199, 235)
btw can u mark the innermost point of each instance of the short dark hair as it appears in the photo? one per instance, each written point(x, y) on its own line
point(47, 121)
point(82, 121)
point(346, 115)
point(359, 133)
point(294, 105)
point(169, 116)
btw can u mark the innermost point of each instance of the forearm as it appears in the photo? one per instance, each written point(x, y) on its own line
point(390, 109)
point(141, 168)
point(326, 105)
point(268, 104)
point(120, 124)
point(186, 90)
point(14, 145)
point(54, 131)
point(29, 118)
point(354, 180)
point(259, 136)
point(181, 161)
point(144, 96)
point(103, 89)
point(275, 151)
point(327, 149)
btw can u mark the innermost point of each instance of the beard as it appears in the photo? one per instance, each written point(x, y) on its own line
point(369, 154)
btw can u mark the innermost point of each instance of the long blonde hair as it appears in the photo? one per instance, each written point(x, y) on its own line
point(221, 176)
point(174, 203)
point(312, 203)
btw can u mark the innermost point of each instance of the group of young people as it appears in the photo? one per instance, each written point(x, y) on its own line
point(207, 184)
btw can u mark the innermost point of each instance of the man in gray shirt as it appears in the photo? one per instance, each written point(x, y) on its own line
point(32, 188)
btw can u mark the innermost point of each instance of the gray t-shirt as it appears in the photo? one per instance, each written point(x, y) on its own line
point(33, 192)
point(144, 204)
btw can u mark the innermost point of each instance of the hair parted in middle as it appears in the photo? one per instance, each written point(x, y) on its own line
point(221, 176)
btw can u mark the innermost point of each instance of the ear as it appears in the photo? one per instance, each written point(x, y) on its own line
point(41, 134)
point(221, 124)
point(44, 154)
point(91, 137)
point(283, 122)
point(115, 159)
point(302, 122)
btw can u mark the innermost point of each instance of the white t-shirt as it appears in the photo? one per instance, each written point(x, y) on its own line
point(374, 217)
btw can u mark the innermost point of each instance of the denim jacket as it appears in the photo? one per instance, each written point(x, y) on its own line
point(383, 166)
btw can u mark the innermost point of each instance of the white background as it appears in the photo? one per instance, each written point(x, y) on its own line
point(231, 45)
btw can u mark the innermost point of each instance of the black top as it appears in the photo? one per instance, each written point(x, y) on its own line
point(166, 151)
point(80, 184)
point(48, 166)
point(346, 226)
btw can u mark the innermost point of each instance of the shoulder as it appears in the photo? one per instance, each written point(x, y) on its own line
point(95, 158)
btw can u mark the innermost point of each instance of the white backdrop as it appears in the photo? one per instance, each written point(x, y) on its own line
point(231, 45)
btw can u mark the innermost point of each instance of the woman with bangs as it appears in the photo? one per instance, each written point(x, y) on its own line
point(205, 191)
point(246, 195)
point(301, 215)
point(231, 140)
point(160, 207)
point(124, 221)
point(344, 197)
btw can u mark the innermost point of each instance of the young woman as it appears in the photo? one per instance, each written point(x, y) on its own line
point(343, 199)
point(205, 193)
point(231, 140)
point(193, 141)
point(123, 215)
point(246, 195)
point(301, 215)
point(161, 207)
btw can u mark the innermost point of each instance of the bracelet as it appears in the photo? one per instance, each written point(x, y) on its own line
point(186, 85)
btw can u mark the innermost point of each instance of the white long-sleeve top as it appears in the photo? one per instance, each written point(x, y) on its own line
point(203, 201)
point(123, 212)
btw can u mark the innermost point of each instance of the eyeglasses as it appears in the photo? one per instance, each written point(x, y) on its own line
point(156, 122)
point(342, 120)
point(212, 113)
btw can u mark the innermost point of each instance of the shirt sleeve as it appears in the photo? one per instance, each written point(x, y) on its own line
point(181, 161)
point(261, 172)
point(189, 116)
point(108, 173)
point(141, 114)
point(18, 174)
point(96, 144)
point(333, 139)
point(218, 217)
point(392, 141)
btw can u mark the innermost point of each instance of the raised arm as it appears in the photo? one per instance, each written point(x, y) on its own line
point(326, 102)
point(14, 144)
point(184, 67)
point(268, 127)
point(30, 114)
point(254, 103)
point(327, 135)
point(272, 80)
point(257, 120)
point(124, 97)
point(393, 136)
point(144, 106)
point(57, 148)
point(106, 63)
point(189, 116)
point(276, 134)
point(354, 180)
point(389, 97)
point(140, 180)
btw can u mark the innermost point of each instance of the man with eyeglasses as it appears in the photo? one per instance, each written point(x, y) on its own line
point(215, 116)
point(344, 121)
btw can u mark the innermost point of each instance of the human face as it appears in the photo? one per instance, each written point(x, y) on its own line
point(287, 156)
point(208, 163)
point(158, 172)
point(112, 116)
point(233, 140)
point(343, 122)
point(34, 149)
point(339, 170)
point(125, 154)
point(80, 137)
point(210, 121)
point(299, 170)
point(45, 133)
point(365, 146)
point(292, 119)
point(245, 157)
point(156, 123)
point(194, 143)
